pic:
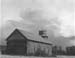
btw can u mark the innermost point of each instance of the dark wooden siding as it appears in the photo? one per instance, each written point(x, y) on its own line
point(16, 43)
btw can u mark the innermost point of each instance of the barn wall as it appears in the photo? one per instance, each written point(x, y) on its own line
point(47, 48)
point(33, 46)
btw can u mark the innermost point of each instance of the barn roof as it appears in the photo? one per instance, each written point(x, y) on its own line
point(31, 36)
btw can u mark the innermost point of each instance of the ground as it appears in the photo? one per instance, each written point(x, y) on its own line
point(7, 56)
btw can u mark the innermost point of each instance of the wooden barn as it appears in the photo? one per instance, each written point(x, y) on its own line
point(21, 42)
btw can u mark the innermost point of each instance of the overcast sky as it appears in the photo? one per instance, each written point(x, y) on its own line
point(55, 16)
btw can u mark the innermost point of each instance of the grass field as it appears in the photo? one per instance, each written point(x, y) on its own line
point(8, 56)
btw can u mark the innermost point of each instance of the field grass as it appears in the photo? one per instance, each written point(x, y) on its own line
point(8, 56)
point(65, 56)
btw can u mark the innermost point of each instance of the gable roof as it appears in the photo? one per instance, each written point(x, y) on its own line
point(13, 33)
point(30, 36)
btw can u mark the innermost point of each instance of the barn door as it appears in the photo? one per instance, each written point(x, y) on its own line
point(20, 48)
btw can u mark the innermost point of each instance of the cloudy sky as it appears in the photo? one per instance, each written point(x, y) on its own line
point(55, 16)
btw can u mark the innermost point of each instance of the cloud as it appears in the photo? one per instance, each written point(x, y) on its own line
point(41, 12)
point(52, 15)
point(11, 10)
